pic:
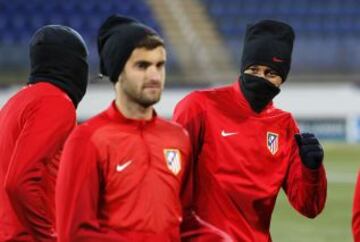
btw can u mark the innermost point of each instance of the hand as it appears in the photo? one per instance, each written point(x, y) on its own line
point(311, 151)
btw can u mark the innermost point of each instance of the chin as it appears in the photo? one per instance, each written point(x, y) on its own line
point(149, 102)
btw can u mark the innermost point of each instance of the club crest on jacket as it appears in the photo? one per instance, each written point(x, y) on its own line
point(272, 142)
point(173, 160)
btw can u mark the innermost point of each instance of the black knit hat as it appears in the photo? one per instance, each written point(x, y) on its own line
point(268, 43)
point(117, 38)
point(58, 55)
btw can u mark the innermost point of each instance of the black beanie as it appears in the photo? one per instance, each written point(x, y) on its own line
point(268, 43)
point(58, 55)
point(117, 38)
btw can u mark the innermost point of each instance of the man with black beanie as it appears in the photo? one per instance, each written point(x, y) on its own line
point(35, 123)
point(125, 183)
point(245, 149)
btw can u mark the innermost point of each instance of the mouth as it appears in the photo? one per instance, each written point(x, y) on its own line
point(153, 85)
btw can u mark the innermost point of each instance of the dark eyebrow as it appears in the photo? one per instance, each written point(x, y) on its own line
point(143, 62)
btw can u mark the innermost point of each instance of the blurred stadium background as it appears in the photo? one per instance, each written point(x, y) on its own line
point(204, 41)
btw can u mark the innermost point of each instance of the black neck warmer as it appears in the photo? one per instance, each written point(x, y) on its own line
point(258, 91)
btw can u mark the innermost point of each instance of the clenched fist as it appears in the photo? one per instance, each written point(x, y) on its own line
point(311, 151)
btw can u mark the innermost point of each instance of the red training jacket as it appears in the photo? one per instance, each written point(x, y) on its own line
point(356, 212)
point(242, 159)
point(120, 180)
point(34, 125)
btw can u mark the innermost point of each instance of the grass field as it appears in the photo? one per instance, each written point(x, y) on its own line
point(334, 223)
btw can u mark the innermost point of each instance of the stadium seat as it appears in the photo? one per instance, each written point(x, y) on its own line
point(20, 18)
point(321, 26)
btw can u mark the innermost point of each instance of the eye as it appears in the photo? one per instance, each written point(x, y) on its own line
point(272, 74)
point(142, 65)
point(160, 64)
point(253, 69)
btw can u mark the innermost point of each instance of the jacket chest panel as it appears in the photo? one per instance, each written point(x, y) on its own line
point(132, 160)
point(245, 149)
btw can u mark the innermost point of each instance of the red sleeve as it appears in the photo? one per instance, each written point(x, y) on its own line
point(189, 114)
point(356, 211)
point(305, 188)
point(78, 191)
point(46, 127)
point(186, 192)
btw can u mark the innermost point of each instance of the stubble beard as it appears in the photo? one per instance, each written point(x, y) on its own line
point(146, 100)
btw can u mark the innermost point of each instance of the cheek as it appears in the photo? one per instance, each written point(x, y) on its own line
point(275, 81)
point(278, 82)
point(163, 75)
point(131, 82)
point(136, 77)
point(248, 72)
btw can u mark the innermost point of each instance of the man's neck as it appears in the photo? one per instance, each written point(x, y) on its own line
point(132, 110)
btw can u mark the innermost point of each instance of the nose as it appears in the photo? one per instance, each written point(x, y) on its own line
point(154, 74)
point(260, 74)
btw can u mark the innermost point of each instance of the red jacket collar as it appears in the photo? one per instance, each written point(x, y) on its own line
point(114, 113)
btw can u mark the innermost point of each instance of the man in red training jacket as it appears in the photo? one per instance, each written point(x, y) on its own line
point(35, 123)
point(356, 212)
point(122, 171)
point(245, 149)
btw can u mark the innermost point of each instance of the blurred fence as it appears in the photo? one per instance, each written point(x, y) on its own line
point(331, 112)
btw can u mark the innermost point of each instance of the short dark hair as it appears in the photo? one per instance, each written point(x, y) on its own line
point(150, 42)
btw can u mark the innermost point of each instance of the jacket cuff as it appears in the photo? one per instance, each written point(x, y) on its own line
point(313, 176)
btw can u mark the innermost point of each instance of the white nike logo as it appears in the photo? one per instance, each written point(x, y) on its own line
point(120, 168)
point(224, 134)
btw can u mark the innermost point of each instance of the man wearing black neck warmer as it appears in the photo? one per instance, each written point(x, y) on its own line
point(245, 149)
point(35, 123)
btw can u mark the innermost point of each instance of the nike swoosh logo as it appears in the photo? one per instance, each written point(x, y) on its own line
point(120, 168)
point(225, 134)
point(275, 59)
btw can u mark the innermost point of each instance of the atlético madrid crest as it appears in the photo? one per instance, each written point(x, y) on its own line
point(272, 142)
point(173, 160)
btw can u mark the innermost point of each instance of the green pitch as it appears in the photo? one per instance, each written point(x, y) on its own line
point(334, 223)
